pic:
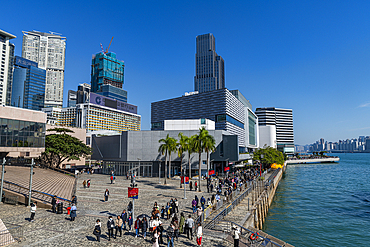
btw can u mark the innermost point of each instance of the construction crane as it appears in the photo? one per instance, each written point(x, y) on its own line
point(106, 51)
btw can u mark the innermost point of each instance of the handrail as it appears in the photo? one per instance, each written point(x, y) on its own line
point(58, 170)
point(26, 190)
point(265, 240)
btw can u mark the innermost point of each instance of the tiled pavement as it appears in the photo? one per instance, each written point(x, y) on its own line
point(57, 230)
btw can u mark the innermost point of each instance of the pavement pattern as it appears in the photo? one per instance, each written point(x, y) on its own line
point(51, 229)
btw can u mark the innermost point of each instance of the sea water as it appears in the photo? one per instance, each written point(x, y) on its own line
point(323, 204)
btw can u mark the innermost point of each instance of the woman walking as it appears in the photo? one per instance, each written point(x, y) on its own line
point(73, 212)
point(144, 226)
point(106, 195)
point(33, 211)
point(199, 234)
point(155, 238)
point(182, 222)
point(97, 230)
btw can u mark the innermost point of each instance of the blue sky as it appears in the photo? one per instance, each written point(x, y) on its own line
point(311, 56)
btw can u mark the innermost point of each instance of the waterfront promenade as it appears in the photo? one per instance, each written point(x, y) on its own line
point(57, 230)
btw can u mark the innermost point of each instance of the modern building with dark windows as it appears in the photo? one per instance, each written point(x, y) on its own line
point(276, 128)
point(230, 113)
point(209, 67)
point(72, 98)
point(6, 66)
point(28, 89)
point(22, 132)
point(107, 76)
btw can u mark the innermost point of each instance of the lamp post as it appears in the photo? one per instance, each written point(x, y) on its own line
point(261, 165)
point(30, 190)
point(2, 180)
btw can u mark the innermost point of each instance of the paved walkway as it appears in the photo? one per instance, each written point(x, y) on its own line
point(57, 230)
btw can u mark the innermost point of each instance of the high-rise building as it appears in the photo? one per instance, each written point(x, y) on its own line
point(6, 67)
point(48, 50)
point(276, 128)
point(107, 76)
point(28, 85)
point(209, 67)
point(72, 98)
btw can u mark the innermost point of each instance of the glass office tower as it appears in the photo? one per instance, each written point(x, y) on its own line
point(209, 67)
point(28, 85)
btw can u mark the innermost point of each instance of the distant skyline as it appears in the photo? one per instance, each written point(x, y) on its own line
point(310, 56)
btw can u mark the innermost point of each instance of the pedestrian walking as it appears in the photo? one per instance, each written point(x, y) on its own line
point(196, 186)
point(129, 207)
point(84, 184)
point(182, 223)
point(197, 200)
point(130, 222)
point(124, 219)
point(73, 212)
point(106, 195)
point(33, 211)
point(202, 202)
point(111, 179)
point(236, 234)
point(110, 226)
point(137, 226)
point(199, 214)
point(163, 210)
point(199, 234)
point(155, 238)
point(54, 204)
point(175, 224)
point(189, 226)
point(119, 223)
point(144, 227)
point(191, 185)
point(74, 200)
point(88, 183)
point(176, 205)
point(170, 236)
point(194, 205)
point(97, 230)
point(160, 231)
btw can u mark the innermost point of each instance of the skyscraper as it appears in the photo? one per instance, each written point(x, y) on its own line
point(107, 76)
point(209, 67)
point(48, 50)
point(28, 85)
point(6, 67)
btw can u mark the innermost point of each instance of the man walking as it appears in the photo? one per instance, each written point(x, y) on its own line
point(106, 195)
point(110, 226)
point(170, 235)
point(189, 223)
point(236, 233)
point(124, 219)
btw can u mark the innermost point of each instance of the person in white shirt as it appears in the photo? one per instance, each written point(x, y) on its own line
point(199, 234)
point(33, 211)
point(236, 234)
point(189, 227)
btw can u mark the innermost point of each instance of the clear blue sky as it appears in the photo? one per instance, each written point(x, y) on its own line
point(311, 56)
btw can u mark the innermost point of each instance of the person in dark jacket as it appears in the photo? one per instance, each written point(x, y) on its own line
point(137, 226)
point(129, 207)
point(144, 227)
point(73, 213)
point(106, 195)
point(74, 200)
point(124, 219)
point(203, 202)
point(197, 200)
point(170, 235)
point(160, 230)
point(191, 185)
point(54, 204)
point(130, 222)
point(97, 230)
point(110, 226)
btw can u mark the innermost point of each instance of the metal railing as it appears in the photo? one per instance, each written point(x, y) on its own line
point(39, 195)
point(246, 238)
point(13, 233)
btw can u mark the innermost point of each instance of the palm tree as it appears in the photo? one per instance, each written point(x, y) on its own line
point(190, 150)
point(172, 148)
point(164, 149)
point(209, 147)
point(182, 147)
point(199, 147)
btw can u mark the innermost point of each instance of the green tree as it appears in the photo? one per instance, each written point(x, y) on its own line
point(60, 147)
point(270, 156)
point(209, 147)
point(168, 145)
point(199, 148)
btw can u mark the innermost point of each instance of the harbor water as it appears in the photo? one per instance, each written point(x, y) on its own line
point(323, 204)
